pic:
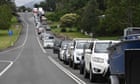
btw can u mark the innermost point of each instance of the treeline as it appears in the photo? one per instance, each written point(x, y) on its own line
point(101, 17)
point(7, 10)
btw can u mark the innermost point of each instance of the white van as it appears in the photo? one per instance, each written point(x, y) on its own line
point(96, 62)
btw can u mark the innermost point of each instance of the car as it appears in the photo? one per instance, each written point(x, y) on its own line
point(78, 44)
point(48, 42)
point(87, 49)
point(63, 47)
point(96, 60)
point(44, 35)
point(40, 30)
point(48, 28)
point(68, 52)
point(56, 47)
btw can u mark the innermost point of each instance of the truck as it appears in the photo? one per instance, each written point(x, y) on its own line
point(131, 41)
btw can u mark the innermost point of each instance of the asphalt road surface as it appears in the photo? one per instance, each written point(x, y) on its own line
point(28, 63)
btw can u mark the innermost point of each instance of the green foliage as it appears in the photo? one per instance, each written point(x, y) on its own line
point(5, 16)
point(119, 15)
point(69, 20)
point(89, 20)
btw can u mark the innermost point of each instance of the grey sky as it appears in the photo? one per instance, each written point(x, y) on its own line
point(22, 2)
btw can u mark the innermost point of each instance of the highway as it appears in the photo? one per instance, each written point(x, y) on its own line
point(28, 63)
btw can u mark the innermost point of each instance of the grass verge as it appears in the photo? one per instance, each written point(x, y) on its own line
point(6, 40)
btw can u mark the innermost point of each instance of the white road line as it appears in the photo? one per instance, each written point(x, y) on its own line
point(44, 51)
point(75, 78)
point(1, 73)
point(27, 32)
point(11, 62)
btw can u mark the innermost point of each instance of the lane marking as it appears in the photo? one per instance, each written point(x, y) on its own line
point(26, 38)
point(44, 51)
point(1, 73)
point(12, 62)
point(66, 71)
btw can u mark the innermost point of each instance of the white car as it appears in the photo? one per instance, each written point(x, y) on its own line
point(96, 61)
point(63, 47)
point(78, 50)
point(48, 42)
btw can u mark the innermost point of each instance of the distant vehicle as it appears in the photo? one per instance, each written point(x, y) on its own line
point(40, 9)
point(48, 42)
point(43, 20)
point(56, 47)
point(35, 10)
point(40, 30)
point(96, 60)
point(48, 28)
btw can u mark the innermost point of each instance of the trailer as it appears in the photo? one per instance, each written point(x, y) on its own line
point(118, 56)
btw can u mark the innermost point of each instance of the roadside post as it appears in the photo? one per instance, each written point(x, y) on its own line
point(10, 33)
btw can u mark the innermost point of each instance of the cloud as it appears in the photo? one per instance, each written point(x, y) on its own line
point(22, 2)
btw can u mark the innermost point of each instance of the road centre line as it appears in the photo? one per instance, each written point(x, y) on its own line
point(71, 75)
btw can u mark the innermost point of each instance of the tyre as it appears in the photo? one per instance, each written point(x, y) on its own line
point(113, 80)
point(74, 66)
point(81, 69)
point(70, 63)
point(86, 75)
point(92, 77)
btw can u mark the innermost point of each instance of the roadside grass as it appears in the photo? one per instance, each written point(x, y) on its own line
point(6, 40)
point(109, 38)
point(75, 34)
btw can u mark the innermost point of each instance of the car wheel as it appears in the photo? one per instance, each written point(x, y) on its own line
point(81, 69)
point(86, 75)
point(70, 63)
point(92, 77)
point(74, 66)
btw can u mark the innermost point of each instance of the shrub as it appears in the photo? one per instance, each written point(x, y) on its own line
point(63, 30)
point(69, 20)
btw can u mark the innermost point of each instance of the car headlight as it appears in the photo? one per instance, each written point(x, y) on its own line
point(99, 60)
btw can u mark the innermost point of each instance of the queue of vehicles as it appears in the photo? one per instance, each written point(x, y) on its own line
point(95, 59)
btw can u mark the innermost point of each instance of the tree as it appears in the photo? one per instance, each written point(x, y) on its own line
point(5, 16)
point(51, 5)
point(69, 20)
point(89, 20)
point(119, 15)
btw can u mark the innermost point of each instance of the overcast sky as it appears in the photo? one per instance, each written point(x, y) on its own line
point(22, 2)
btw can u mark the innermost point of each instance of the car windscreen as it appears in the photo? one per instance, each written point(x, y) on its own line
point(80, 45)
point(101, 47)
point(88, 45)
